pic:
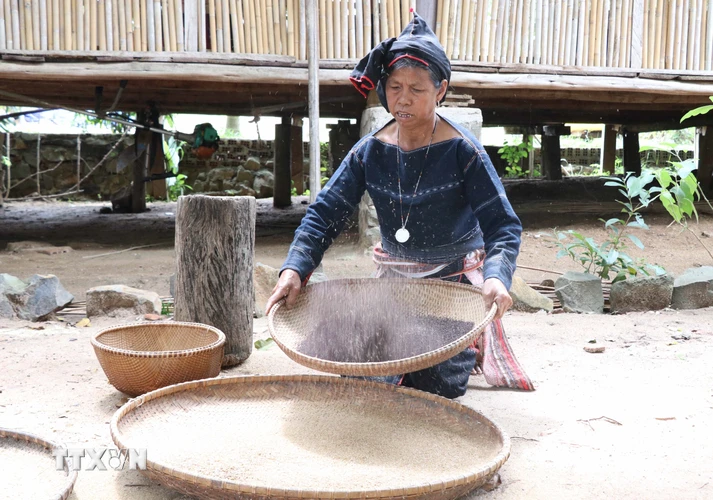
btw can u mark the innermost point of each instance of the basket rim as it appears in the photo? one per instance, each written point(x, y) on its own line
point(214, 483)
point(158, 354)
point(50, 445)
point(391, 367)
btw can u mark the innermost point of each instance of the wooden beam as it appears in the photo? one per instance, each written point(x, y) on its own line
point(632, 156)
point(608, 151)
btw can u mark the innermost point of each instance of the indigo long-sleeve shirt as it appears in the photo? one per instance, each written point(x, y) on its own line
point(460, 205)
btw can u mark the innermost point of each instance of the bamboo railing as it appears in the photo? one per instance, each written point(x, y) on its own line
point(649, 34)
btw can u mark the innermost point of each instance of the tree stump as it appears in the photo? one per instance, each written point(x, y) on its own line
point(215, 241)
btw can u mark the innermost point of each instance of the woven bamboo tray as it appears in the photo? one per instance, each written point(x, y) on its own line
point(379, 327)
point(28, 469)
point(290, 437)
point(140, 357)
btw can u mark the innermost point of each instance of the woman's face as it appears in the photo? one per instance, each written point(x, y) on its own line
point(412, 97)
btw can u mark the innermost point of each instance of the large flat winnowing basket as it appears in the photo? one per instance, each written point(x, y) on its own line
point(298, 437)
point(378, 327)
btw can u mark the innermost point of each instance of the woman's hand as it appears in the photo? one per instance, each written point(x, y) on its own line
point(288, 288)
point(495, 291)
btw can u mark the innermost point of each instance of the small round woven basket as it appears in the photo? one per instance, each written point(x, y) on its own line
point(297, 437)
point(379, 327)
point(29, 469)
point(140, 357)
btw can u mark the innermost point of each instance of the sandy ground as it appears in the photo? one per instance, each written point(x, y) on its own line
point(655, 391)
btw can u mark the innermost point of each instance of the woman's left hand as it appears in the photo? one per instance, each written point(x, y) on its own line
point(495, 291)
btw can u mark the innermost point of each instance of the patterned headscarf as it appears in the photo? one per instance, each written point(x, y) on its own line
point(416, 42)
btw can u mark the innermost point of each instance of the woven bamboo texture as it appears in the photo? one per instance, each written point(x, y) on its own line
point(140, 357)
point(295, 437)
point(33, 483)
point(379, 327)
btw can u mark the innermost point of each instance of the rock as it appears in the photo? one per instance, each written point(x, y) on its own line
point(201, 176)
point(244, 190)
point(549, 283)
point(244, 175)
point(580, 292)
point(121, 300)
point(252, 163)
point(42, 296)
point(199, 186)
point(221, 174)
point(53, 250)
point(19, 246)
point(693, 289)
point(264, 280)
point(264, 183)
point(648, 293)
point(11, 284)
point(6, 310)
point(525, 299)
point(594, 349)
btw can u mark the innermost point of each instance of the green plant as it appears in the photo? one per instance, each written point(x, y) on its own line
point(177, 188)
point(513, 154)
point(610, 257)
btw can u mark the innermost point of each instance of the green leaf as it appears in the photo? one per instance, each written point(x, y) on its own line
point(612, 221)
point(562, 253)
point(636, 241)
point(612, 256)
point(687, 206)
point(264, 344)
point(616, 183)
point(701, 110)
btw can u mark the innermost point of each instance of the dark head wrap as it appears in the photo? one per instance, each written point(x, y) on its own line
point(417, 42)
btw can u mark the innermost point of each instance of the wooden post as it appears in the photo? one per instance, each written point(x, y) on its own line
point(705, 158)
point(632, 157)
point(551, 165)
point(215, 244)
point(9, 164)
point(79, 162)
point(282, 164)
point(39, 160)
point(608, 151)
point(313, 94)
point(297, 155)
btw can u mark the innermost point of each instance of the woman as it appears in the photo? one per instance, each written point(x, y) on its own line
point(442, 210)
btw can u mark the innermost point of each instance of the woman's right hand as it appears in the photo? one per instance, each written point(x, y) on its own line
point(288, 288)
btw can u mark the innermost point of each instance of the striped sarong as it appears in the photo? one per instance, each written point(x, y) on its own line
point(495, 357)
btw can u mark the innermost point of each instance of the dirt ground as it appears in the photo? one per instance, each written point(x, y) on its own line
point(655, 392)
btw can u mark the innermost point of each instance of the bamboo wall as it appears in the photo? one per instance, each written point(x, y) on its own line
point(655, 34)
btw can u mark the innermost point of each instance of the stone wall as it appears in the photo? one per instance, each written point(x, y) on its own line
point(58, 157)
point(243, 168)
point(238, 167)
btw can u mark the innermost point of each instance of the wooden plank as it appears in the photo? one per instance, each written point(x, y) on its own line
point(349, 8)
point(3, 36)
point(632, 157)
point(180, 35)
point(283, 26)
point(608, 151)
point(704, 174)
point(191, 22)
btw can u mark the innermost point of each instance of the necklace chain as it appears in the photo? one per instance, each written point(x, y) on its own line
point(418, 181)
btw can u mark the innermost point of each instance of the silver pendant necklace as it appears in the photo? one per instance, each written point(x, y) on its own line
point(402, 235)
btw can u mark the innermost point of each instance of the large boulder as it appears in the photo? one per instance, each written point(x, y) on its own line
point(648, 293)
point(580, 292)
point(121, 300)
point(693, 289)
point(525, 299)
point(42, 296)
